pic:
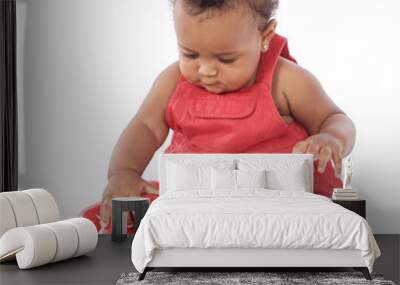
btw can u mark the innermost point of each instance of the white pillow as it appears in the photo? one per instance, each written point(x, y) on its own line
point(282, 174)
point(251, 178)
point(236, 179)
point(188, 175)
point(292, 180)
point(223, 179)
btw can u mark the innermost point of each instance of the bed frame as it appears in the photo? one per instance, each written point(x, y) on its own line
point(242, 259)
point(246, 258)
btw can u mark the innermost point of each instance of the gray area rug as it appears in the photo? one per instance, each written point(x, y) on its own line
point(269, 278)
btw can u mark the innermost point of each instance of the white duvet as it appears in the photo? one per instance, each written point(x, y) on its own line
point(250, 218)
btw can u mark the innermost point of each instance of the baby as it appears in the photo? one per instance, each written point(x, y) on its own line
point(235, 89)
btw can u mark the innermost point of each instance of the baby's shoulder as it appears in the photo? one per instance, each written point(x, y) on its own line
point(151, 112)
point(291, 84)
point(167, 80)
point(289, 72)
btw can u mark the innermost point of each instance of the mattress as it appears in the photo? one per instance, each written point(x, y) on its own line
point(250, 219)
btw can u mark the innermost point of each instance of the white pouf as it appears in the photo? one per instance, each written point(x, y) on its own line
point(32, 246)
point(23, 208)
point(45, 205)
point(27, 208)
point(87, 235)
point(40, 244)
point(7, 220)
point(67, 238)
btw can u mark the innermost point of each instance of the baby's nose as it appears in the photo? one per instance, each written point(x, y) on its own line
point(207, 70)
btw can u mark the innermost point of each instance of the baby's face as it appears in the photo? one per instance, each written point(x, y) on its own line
point(220, 53)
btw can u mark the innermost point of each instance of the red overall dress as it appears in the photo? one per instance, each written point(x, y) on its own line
point(244, 121)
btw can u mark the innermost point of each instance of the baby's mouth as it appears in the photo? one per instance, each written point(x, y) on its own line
point(218, 91)
point(213, 87)
point(209, 84)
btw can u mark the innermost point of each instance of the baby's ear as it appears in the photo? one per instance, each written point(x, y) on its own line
point(269, 31)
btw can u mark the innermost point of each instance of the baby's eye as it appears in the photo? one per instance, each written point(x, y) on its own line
point(227, 60)
point(190, 55)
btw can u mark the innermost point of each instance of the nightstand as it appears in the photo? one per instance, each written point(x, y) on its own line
point(357, 206)
point(120, 208)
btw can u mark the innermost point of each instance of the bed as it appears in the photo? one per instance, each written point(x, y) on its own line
point(247, 210)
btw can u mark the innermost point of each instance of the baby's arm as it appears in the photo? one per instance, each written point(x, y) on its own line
point(139, 141)
point(332, 132)
point(148, 130)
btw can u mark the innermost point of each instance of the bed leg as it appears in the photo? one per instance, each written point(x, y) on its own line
point(143, 274)
point(364, 271)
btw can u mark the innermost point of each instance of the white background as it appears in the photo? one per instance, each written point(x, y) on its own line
point(84, 67)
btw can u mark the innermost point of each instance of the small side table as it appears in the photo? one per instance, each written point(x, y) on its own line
point(120, 208)
point(357, 206)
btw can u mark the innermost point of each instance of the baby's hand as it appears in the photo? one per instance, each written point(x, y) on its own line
point(124, 184)
point(324, 147)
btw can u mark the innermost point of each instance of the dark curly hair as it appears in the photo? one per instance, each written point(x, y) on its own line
point(264, 9)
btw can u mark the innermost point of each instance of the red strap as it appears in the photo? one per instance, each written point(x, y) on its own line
point(277, 47)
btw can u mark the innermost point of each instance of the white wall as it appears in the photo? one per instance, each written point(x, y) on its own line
point(84, 67)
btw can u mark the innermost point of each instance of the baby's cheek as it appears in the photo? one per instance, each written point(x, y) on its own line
point(235, 80)
point(188, 70)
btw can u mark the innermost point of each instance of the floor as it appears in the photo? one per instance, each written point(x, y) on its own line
point(389, 262)
point(110, 260)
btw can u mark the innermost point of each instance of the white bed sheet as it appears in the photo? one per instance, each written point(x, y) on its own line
point(250, 218)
